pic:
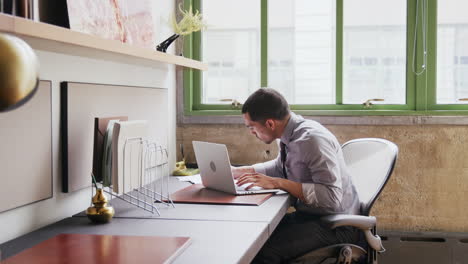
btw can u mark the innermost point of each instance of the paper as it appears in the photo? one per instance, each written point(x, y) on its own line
point(127, 155)
point(101, 129)
point(106, 173)
point(281, 192)
point(194, 179)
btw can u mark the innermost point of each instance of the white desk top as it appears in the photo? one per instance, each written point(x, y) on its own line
point(212, 241)
point(271, 211)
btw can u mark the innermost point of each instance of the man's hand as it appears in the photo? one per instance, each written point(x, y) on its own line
point(267, 182)
point(258, 179)
point(238, 171)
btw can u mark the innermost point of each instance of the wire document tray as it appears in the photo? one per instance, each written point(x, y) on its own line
point(144, 177)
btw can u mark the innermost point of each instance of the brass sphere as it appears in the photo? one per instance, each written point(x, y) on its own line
point(19, 71)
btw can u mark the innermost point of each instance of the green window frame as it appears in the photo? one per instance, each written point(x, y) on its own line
point(420, 89)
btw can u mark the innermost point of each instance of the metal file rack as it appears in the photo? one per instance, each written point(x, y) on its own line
point(145, 176)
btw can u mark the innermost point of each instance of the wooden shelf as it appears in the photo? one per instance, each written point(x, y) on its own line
point(48, 37)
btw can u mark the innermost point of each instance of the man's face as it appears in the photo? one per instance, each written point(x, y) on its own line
point(262, 130)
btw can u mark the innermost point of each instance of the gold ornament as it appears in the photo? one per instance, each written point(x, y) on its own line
point(100, 212)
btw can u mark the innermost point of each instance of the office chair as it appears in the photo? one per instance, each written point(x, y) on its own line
point(370, 162)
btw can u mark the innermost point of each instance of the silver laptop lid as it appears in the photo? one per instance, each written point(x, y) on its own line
point(214, 165)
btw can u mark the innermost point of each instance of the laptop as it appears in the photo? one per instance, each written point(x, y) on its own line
point(215, 170)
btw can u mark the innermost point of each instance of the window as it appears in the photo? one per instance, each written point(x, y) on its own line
point(452, 52)
point(301, 50)
point(330, 57)
point(374, 51)
point(231, 48)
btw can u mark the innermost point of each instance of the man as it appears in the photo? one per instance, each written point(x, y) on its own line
point(310, 167)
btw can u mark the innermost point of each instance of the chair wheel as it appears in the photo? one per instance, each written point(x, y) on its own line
point(345, 256)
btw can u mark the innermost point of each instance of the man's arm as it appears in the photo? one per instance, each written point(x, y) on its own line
point(238, 171)
point(318, 158)
point(272, 168)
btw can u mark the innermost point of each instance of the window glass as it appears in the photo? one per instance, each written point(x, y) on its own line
point(301, 50)
point(374, 51)
point(231, 48)
point(452, 52)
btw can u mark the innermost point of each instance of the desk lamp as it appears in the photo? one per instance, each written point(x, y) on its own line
point(19, 70)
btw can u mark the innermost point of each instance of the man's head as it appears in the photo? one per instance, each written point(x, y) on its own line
point(266, 113)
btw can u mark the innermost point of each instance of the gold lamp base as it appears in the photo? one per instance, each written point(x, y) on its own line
point(100, 212)
point(19, 71)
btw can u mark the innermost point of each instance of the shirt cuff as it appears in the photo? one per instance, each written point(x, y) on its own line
point(259, 168)
point(308, 190)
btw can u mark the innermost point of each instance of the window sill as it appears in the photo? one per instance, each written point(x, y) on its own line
point(342, 117)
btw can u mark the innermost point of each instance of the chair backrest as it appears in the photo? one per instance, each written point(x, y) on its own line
point(370, 162)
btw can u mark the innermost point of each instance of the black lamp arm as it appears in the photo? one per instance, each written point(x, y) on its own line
point(165, 44)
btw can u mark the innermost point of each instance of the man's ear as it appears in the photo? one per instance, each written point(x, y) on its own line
point(270, 123)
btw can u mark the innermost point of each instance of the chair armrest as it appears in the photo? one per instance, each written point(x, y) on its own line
point(365, 223)
point(359, 221)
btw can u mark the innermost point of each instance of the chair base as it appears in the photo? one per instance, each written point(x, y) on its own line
point(347, 254)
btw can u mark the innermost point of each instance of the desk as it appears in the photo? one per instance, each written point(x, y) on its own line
point(271, 211)
point(220, 233)
point(212, 241)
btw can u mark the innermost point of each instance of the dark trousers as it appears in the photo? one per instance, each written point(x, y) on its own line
point(298, 234)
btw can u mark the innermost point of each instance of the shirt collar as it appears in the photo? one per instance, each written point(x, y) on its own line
point(289, 129)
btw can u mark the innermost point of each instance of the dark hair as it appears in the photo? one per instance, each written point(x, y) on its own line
point(266, 103)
